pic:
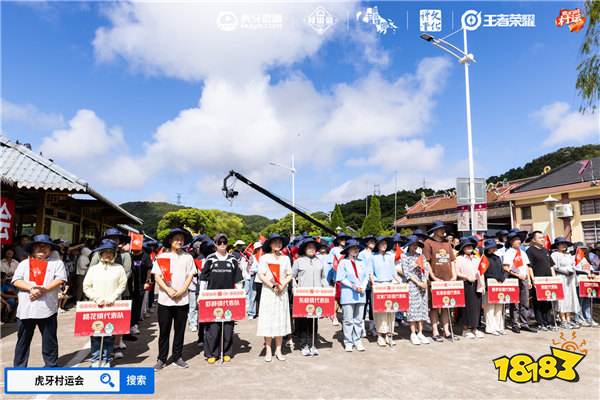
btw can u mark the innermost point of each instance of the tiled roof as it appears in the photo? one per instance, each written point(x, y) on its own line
point(23, 168)
point(564, 175)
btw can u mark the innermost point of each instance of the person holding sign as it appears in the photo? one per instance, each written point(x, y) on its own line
point(467, 270)
point(517, 263)
point(220, 271)
point(541, 265)
point(309, 271)
point(104, 283)
point(275, 272)
point(494, 313)
point(415, 269)
point(583, 268)
point(173, 271)
point(382, 269)
point(335, 256)
point(38, 280)
point(440, 255)
point(564, 265)
point(353, 276)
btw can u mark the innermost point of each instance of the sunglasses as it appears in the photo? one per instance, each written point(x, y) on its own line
point(221, 242)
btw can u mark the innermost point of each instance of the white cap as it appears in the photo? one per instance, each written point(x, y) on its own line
point(239, 243)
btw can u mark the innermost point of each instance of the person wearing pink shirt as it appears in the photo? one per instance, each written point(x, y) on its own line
point(467, 270)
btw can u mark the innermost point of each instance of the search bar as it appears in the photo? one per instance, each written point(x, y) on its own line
point(79, 380)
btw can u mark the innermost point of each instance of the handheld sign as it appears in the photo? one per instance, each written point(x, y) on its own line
point(548, 288)
point(313, 302)
point(447, 294)
point(588, 287)
point(390, 297)
point(93, 320)
point(506, 292)
point(221, 305)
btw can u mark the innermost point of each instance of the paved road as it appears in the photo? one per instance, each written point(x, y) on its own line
point(440, 370)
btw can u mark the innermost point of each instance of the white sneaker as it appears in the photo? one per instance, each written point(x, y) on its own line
point(194, 328)
point(423, 339)
point(390, 340)
point(105, 364)
point(414, 339)
point(364, 331)
point(348, 348)
point(335, 321)
point(134, 330)
point(96, 364)
point(479, 334)
point(306, 351)
point(359, 346)
point(594, 323)
point(122, 345)
point(314, 351)
point(62, 311)
point(501, 331)
point(118, 355)
point(381, 341)
point(469, 335)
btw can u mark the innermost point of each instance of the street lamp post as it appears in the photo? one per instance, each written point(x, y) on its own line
point(463, 57)
point(292, 170)
point(550, 203)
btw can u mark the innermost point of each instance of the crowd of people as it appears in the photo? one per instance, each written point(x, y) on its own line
point(40, 277)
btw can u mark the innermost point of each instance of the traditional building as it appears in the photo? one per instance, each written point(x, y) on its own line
point(38, 196)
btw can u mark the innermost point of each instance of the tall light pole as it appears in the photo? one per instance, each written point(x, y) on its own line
point(550, 203)
point(395, 197)
point(463, 57)
point(292, 170)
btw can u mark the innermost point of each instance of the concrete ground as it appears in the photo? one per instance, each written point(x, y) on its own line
point(463, 369)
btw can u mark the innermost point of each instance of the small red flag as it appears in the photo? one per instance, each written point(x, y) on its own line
point(165, 268)
point(249, 250)
point(484, 263)
point(336, 261)
point(399, 253)
point(518, 260)
point(137, 240)
point(579, 256)
point(37, 270)
point(259, 254)
point(198, 264)
point(274, 268)
point(547, 242)
point(421, 263)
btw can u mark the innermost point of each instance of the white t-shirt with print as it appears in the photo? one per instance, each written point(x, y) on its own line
point(182, 266)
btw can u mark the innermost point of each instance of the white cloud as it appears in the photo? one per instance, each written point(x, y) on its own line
point(567, 126)
point(30, 116)
point(85, 138)
point(413, 155)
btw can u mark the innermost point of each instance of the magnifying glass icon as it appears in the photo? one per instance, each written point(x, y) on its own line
point(106, 379)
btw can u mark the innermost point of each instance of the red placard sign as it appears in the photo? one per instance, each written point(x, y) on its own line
point(7, 220)
point(137, 241)
point(589, 287)
point(222, 305)
point(92, 320)
point(447, 294)
point(548, 288)
point(506, 292)
point(390, 297)
point(313, 302)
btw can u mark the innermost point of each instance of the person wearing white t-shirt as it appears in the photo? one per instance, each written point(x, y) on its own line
point(173, 272)
point(518, 262)
point(38, 280)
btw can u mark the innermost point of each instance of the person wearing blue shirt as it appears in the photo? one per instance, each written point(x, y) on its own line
point(365, 255)
point(353, 276)
point(335, 255)
point(382, 269)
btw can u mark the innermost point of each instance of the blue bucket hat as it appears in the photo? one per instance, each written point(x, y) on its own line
point(366, 239)
point(187, 236)
point(512, 236)
point(414, 239)
point(350, 244)
point(41, 239)
point(465, 241)
point(490, 244)
point(207, 247)
point(267, 244)
point(114, 232)
point(437, 225)
point(501, 233)
point(398, 238)
point(341, 236)
point(561, 240)
point(419, 233)
point(306, 242)
point(522, 234)
point(106, 244)
point(386, 239)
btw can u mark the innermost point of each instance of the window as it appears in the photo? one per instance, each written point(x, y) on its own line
point(591, 231)
point(526, 212)
point(590, 206)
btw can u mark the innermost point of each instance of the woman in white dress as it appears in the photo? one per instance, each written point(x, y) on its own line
point(564, 265)
point(275, 272)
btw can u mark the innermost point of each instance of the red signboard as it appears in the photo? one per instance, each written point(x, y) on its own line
point(589, 287)
point(313, 302)
point(506, 292)
point(548, 288)
point(447, 294)
point(7, 220)
point(137, 241)
point(92, 320)
point(390, 297)
point(222, 305)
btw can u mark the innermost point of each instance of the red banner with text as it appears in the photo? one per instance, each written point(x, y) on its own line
point(313, 302)
point(447, 294)
point(390, 297)
point(222, 305)
point(94, 320)
point(506, 292)
point(548, 288)
point(589, 287)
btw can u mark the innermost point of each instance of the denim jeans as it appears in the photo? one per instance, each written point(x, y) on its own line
point(193, 312)
point(585, 313)
point(107, 348)
point(352, 322)
point(250, 296)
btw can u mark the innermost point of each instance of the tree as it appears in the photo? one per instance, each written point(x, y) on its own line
point(372, 224)
point(588, 77)
point(198, 221)
point(337, 219)
point(284, 226)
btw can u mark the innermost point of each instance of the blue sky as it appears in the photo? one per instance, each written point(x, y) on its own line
point(149, 100)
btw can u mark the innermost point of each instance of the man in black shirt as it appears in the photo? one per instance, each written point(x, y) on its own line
point(140, 268)
point(220, 271)
point(541, 265)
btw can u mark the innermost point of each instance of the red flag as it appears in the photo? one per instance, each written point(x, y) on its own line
point(137, 240)
point(484, 263)
point(165, 268)
point(37, 270)
point(259, 254)
point(421, 263)
point(294, 253)
point(274, 268)
point(336, 261)
point(547, 242)
point(249, 250)
point(518, 260)
point(399, 253)
point(198, 264)
point(584, 165)
point(579, 256)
